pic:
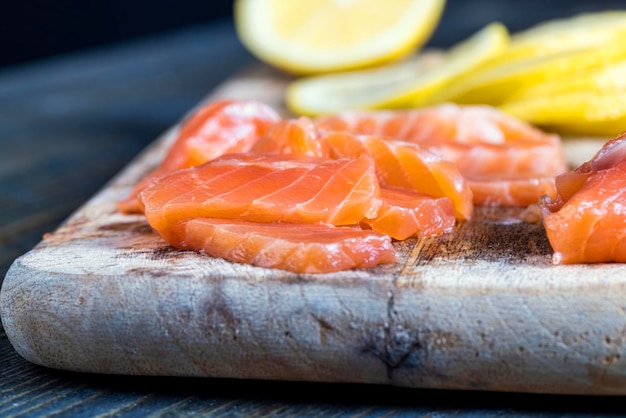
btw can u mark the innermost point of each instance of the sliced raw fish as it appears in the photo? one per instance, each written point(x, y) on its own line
point(480, 140)
point(298, 137)
point(217, 128)
point(266, 188)
point(406, 213)
point(586, 222)
point(300, 248)
point(407, 165)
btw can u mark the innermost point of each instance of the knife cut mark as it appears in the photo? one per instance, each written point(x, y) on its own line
point(412, 258)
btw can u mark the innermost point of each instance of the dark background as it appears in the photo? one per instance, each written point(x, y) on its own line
point(34, 29)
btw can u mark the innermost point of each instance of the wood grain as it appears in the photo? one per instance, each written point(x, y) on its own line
point(483, 308)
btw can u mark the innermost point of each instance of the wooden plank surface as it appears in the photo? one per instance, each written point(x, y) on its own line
point(483, 309)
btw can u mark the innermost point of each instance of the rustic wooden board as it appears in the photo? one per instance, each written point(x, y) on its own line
point(481, 309)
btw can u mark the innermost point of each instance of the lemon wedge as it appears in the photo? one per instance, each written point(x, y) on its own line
point(587, 103)
point(548, 50)
point(317, 36)
point(495, 85)
point(601, 113)
point(610, 78)
point(406, 84)
point(569, 33)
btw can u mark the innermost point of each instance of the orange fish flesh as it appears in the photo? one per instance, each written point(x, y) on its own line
point(586, 222)
point(299, 137)
point(480, 140)
point(265, 188)
point(300, 248)
point(217, 128)
point(330, 194)
point(506, 189)
point(406, 213)
point(423, 209)
point(407, 165)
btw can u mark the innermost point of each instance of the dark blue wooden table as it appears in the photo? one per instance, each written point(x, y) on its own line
point(68, 124)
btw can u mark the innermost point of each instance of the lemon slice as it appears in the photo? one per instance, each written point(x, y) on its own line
point(548, 50)
point(579, 113)
point(607, 78)
point(406, 84)
point(315, 36)
point(495, 85)
point(558, 35)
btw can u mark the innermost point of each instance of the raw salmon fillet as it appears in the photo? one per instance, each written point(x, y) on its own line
point(586, 222)
point(330, 194)
point(481, 141)
point(511, 189)
point(300, 248)
point(406, 213)
point(424, 187)
point(265, 188)
point(299, 137)
point(220, 127)
point(407, 165)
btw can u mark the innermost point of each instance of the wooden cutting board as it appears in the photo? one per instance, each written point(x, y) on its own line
point(482, 309)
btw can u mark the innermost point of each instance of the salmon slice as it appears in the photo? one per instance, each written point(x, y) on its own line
point(511, 189)
point(407, 165)
point(299, 248)
point(586, 222)
point(403, 213)
point(481, 141)
point(265, 188)
point(406, 213)
point(298, 137)
point(220, 127)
